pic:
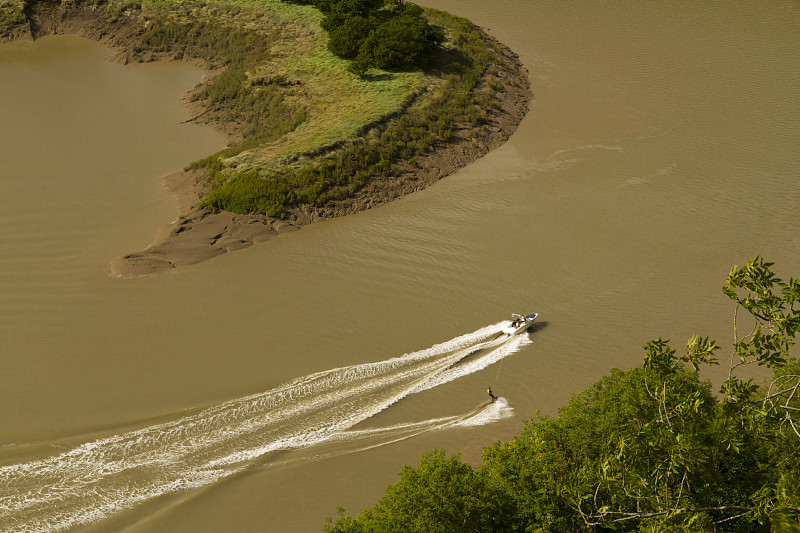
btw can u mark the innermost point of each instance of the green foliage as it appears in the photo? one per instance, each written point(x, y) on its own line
point(259, 107)
point(531, 471)
point(651, 448)
point(761, 293)
point(351, 7)
point(12, 13)
point(440, 496)
point(398, 38)
point(404, 42)
point(347, 38)
point(203, 38)
point(496, 86)
point(693, 461)
point(249, 191)
point(344, 524)
point(359, 66)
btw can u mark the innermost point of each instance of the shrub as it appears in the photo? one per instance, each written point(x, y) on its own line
point(346, 39)
point(12, 13)
point(248, 192)
point(404, 42)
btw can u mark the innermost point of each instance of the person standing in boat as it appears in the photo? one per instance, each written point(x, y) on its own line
point(491, 394)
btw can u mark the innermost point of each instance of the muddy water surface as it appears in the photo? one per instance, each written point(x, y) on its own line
point(659, 151)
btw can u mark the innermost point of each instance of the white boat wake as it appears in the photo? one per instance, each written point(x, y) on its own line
point(312, 415)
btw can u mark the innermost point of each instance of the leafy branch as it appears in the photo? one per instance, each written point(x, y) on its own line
point(654, 468)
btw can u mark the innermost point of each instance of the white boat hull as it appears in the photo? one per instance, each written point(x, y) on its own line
point(519, 324)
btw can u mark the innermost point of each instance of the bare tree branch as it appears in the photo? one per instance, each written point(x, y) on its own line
point(632, 516)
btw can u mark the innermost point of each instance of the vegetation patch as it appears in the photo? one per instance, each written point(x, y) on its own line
point(327, 97)
point(12, 15)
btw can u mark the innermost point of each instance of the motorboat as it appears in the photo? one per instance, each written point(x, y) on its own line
point(519, 323)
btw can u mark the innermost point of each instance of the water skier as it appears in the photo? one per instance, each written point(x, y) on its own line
point(491, 394)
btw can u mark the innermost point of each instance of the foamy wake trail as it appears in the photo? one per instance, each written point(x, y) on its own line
point(312, 414)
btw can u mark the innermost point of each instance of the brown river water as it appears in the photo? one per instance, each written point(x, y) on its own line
point(260, 390)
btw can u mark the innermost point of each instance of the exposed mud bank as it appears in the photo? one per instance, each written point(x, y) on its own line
point(199, 234)
point(119, 32)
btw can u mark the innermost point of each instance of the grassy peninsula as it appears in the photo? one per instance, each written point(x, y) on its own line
point(313, 134)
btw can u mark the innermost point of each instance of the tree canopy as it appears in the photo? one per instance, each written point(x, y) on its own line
point(647, 449)
point(394, 36)
point(403, 42)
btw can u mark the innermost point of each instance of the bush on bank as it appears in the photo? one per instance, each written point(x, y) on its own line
point(648, 449)
point(12, 14)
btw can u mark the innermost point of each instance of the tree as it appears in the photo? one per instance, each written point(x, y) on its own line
point(354, 7)
point(441, 495)
point(403, 42)
point(698, 463)
point(346, 39)
point(531, 471)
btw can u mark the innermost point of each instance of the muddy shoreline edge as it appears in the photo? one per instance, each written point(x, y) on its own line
point(199, 234)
